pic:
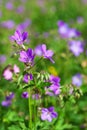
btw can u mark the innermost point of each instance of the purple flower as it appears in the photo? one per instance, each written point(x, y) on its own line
point(25, 95)
point(16, 69)
point(2, 59)
point(8, 24)
point(6, 103)
point(20, 9)
point(9, 5)
point(54, 80)
point(77, 80)
point(38, 50)
point(47, 53)
point(76, 47)
point(10, 96)
point(67, 32)
point(19, 37)
point(63, 29)
point(54, 88)
point(8, 100)
point(27, 77)
point(24, 25)
point(41, 51)
point(8, 73)
point(27, 56)
point(73, 33)
point(48, 114)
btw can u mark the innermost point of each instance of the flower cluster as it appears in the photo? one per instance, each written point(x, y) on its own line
point(67, 32)
point(75, 46)
point(9, 70)
point(8, 100)
point(54, 88)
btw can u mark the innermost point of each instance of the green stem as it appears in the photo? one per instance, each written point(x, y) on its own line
point(30, 110)
point(35, 114)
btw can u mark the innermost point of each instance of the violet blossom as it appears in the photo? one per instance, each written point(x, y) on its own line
point(16, 69)
point(54, 80)
point(38, 50)
point(2, 59)
point(9, 70)
point(19, 37)
point(27, 77)
point(20, 9)
point(9, 5)
point(25, 95)
point(54, 88)
point(67, 32)
point(63, 29)
point(8, 100)
point(8, 73)
point(6, 103)
point(24, 25)
point(77, 80)
point(8, 24)
point(10, 96)
point(48, 114)
point(76, 47)
point(42, 51)
point(27, 56)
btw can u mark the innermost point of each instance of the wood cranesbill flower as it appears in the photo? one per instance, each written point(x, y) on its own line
point(77, 80)
point(25, 95)
point(66, 32)
point(76, 47)
point(42, 51)
point(47, 53)
point(24, 25)
point(54, 88)
point(9, 71)
point(9, 5)
point(10, 96)
point(8, 100)
point(48, 114)
point(19, 37)
point(6, 103)
point(9, 24)
point(54, 80)
point(16, 69)
point(27, 56)
point(27, 77)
